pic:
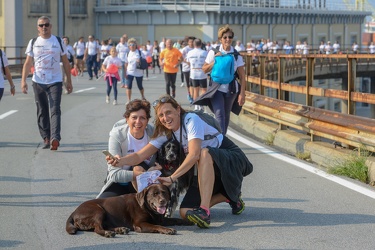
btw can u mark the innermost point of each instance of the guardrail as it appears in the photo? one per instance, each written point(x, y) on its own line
point(267, 96)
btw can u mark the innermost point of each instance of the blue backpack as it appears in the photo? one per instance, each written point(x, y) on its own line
point(223, 70)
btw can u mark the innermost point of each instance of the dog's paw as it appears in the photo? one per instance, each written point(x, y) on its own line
point(122, 230)
point(169, 231)
point(109, 234)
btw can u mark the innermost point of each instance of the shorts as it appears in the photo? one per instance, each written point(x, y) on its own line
point(202, 83)
point(192, 197)
point(79, 57)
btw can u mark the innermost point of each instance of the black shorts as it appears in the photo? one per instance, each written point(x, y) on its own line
point(192, 197)
point(202, 83)
point(79, 57)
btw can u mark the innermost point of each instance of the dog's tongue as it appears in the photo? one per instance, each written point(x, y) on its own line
point(161, 210)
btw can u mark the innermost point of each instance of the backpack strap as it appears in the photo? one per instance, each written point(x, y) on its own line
point(2, 61)
point(205, 137)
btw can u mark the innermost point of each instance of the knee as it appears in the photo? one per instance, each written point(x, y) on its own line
point(205, 156)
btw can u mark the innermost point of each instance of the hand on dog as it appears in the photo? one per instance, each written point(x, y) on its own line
point(156, 167)
point(165, 180)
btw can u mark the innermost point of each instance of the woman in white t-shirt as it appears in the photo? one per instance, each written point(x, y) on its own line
point(132, 72)
point(80, 47)
point(127, 136)
point(112, 77)
point(7, 73)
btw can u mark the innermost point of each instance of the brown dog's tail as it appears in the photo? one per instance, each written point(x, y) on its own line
point(70, 228)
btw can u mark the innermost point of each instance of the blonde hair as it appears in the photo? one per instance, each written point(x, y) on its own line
point(224, 30)
point(132, 40)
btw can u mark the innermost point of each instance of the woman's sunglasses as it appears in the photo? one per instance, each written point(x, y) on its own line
point(161, 100)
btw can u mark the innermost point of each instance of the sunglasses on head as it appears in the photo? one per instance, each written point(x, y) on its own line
point(229, 37)
point(164, 99)
point(43, 24)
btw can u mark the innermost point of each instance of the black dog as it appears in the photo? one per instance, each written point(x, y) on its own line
point(142, 212)
point(170, 157)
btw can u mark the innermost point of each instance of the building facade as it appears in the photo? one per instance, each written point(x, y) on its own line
point(280, 20)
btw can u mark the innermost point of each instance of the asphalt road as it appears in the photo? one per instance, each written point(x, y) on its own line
point(286, 207)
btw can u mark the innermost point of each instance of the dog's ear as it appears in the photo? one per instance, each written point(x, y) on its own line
point(141, 197)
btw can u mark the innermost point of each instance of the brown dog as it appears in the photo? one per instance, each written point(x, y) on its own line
point(142, 212)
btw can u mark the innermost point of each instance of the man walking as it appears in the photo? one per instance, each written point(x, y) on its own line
point(196, 59)
point(92, 56)
point(47, 51)
point(170, 59)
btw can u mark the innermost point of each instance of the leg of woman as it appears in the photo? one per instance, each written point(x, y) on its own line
point(1, 93)
point(228, 104)
point(114, 85)
point(139, 80)
point(117, 189)
point(218, 108)
point(129, 85)
point(109, 88)
point(206, 182)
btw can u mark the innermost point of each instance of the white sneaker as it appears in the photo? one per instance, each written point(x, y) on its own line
point(182, 84)
point(107, 99)
point(115, 102)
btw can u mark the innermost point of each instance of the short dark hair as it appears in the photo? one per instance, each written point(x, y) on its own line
point(136, 105)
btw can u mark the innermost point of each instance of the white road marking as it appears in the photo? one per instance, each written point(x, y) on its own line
point(83, 90)
point(307, 167)
point(7, 114)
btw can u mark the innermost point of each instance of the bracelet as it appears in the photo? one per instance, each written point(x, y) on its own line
point(13, 87)
point(170, 177)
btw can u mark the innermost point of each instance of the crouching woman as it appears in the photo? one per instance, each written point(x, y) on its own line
point(221, 164)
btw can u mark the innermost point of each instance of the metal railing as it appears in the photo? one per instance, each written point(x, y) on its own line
point(269, 96)
point(278, 4)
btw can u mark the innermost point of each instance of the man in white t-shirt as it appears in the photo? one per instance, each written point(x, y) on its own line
point(239, 46)
point(186, 67)
point(46, 51)
point(122, 50)
point(92, 56)
point(336, 47)
point(196, 59)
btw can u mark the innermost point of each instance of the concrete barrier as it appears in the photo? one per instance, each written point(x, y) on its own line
point(323, 154)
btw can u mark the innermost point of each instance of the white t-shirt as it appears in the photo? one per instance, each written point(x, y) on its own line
point(237, 63)
point(92, 47)
point(5, 59)
point(122, 49)
point(328, 48)
point(47, 55)
point(104, 51)
point(184, 52)
point(132, 58)
point(80, 48)
point(196, 58)
point(70, 51)
point(161, 46)
point(135, 145)
point(112, 60)
point(336, 47)
point(195, 128)
point(371, 47)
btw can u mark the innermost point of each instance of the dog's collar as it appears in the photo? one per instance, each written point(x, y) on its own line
point(169, 167)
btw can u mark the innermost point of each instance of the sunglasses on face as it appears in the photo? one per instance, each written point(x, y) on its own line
point(43, 24)
point(164, 99)
point(229, 37)
point(132, 44)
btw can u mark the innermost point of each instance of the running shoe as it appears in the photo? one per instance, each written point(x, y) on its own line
point(190, 99)
point(237, 207)
point(199, 216)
